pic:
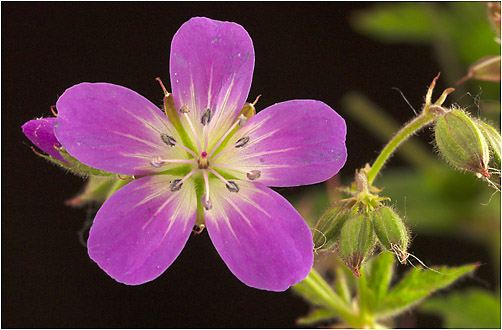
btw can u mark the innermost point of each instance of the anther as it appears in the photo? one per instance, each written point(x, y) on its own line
point(253, 175)
point(242, 142)
point(176, 185)
point(242, 120)
point(206, 202)
point(157, 162)
point(169, 140)
point(184, 109)
point(206, 117)
point(197, 229)
point(232, 186)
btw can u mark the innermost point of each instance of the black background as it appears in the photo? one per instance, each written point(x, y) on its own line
point(303, 50)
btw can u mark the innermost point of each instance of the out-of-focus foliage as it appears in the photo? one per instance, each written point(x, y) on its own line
point(461, 33)
point(464, 24)
point(474, 308)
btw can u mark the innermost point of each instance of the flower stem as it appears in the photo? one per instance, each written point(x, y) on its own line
point(325, 295)
point(408, 130)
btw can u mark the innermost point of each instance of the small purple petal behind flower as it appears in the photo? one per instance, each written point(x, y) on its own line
point(291, 143)
point(142, 228)
point(211, 67)
point(41, 133)
point(260, 236)
point(113, 128)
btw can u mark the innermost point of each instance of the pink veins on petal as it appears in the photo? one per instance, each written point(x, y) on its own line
point(215, 160)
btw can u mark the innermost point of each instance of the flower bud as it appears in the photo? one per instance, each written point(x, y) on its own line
point(461, 142)
point(327, 231)
point(391, 232)
point(357, 242)
point(492, 137)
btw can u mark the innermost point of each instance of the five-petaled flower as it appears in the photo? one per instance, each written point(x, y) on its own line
point(209, 162)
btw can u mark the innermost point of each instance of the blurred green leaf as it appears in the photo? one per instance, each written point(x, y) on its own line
point(416, 285)
point(393, 22)
point(316, 316)
point(474, 308)
point(379, 272)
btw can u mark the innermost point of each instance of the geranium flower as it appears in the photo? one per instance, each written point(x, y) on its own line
point(210, 163)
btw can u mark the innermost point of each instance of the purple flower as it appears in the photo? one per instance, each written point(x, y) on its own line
point(210, 167)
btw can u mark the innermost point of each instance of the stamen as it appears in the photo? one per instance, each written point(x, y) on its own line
point(239, 144)
point(242, 142)
point(242, 120)
point(194, 132)
point(205, 200)
point(225, 135)
point(176, 185)
point(232, 186)
point(158, 162)
point(184, 109)
point(206, 117)
point(167, 139)
point(53, 110)
point(251, 175)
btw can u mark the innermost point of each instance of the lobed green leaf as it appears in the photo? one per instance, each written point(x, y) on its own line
point(416, 285)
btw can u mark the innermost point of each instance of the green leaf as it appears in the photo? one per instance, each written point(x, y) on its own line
point(474, 308)
point(316, 316)
point(416, 285)
point(379, 272)
point(394, 22)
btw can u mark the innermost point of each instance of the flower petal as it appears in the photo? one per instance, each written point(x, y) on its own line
point(291, 143)
point(113, 128)
point(211, 66)
point(141, 229)
point(41, 133)
point(260, 236)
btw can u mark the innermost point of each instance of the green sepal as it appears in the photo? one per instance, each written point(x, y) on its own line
point(391, 231)
point(461, 143)
point(357, 242)
point(417, 285)
point(73, 165)
point(327, 231)
point(97, 189)
point(492, 137)
point(174, 118)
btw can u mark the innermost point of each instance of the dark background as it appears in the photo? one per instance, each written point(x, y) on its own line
point(303, 50)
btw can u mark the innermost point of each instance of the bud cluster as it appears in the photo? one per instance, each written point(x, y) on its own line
point(354, 227)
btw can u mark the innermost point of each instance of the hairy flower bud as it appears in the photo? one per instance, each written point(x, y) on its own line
point(391, 232)
point(461, 142)
point(329, 226)
point(357, 242)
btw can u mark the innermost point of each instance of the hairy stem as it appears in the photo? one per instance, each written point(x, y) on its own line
point(408, 130)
